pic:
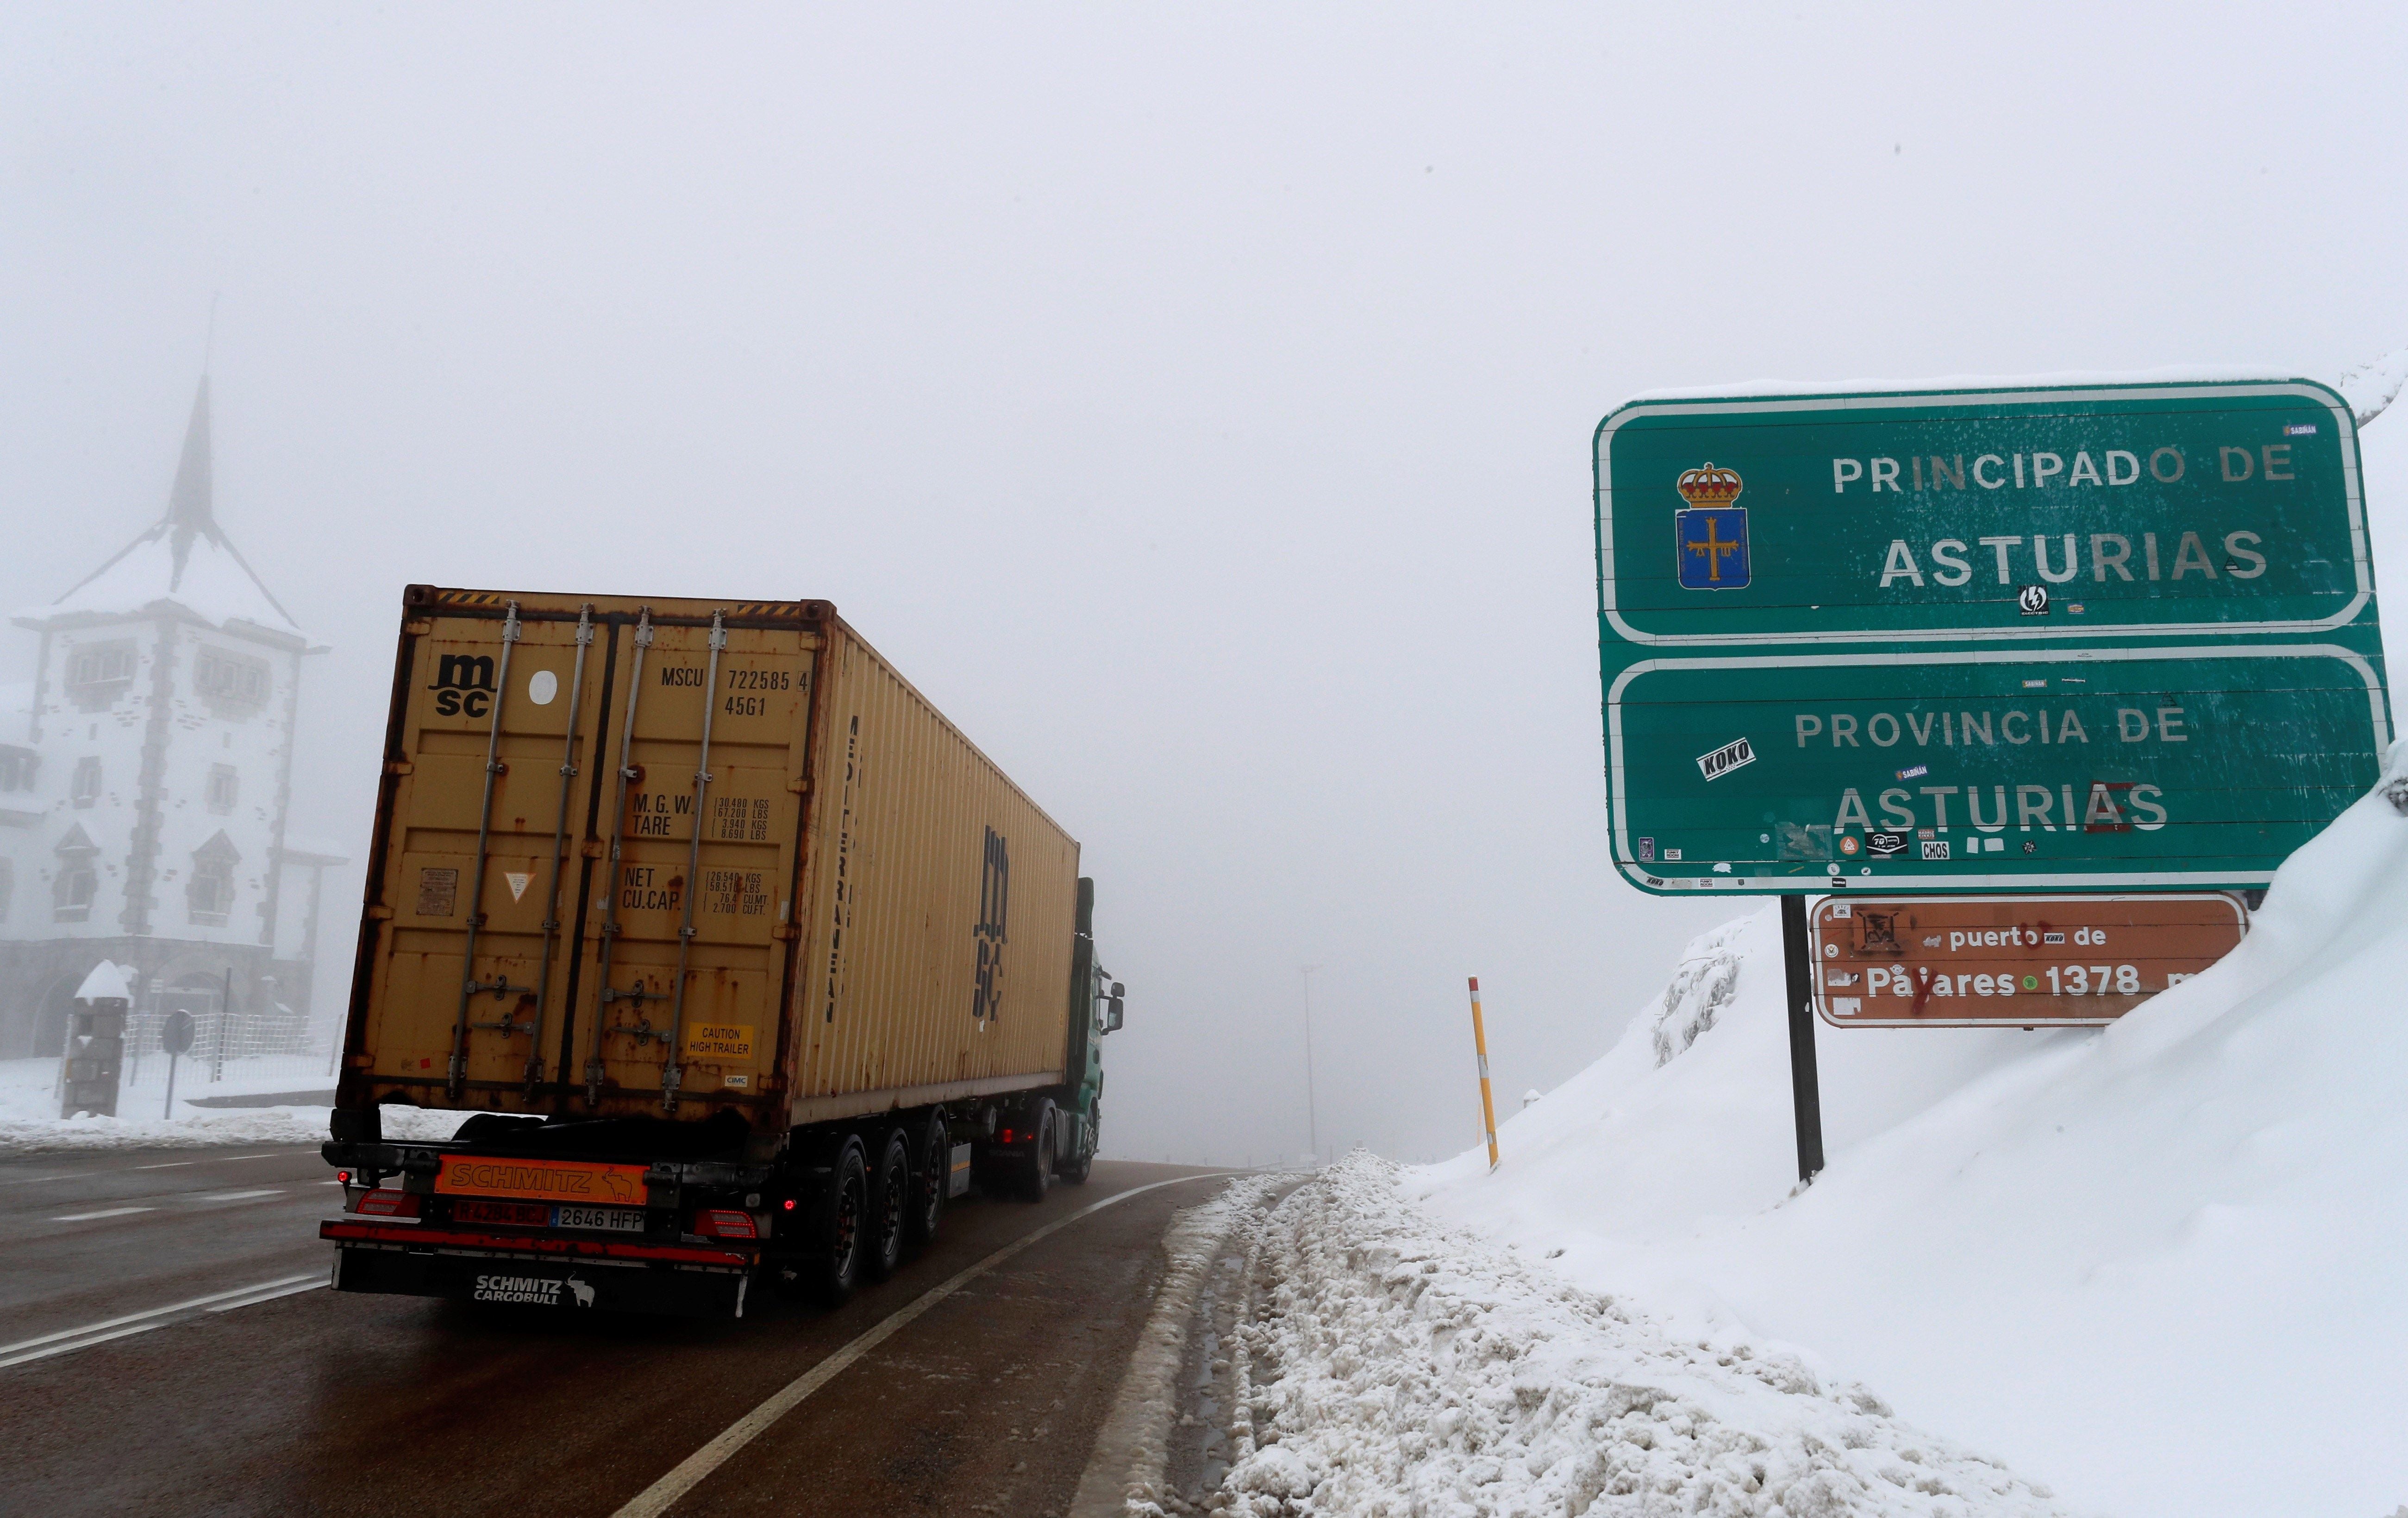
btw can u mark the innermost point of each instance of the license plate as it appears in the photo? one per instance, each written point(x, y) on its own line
point(543, 1215)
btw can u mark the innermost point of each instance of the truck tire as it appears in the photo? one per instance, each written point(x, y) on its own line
point(1036, 1176)
point(1076, 1169)
point(933, 1183)
point(890, 1207)
point(843, 1236)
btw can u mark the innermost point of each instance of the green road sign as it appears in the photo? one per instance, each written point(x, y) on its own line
point(2136, 681)
point(2170, 510)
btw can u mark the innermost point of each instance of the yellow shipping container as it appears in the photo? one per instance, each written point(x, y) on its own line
point(671, 858)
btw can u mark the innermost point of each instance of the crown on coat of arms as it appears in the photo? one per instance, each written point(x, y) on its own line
point(1708, 485)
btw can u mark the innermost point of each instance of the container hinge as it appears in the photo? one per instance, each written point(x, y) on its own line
point(399, 766)
point(379, 912)
point(782, 931)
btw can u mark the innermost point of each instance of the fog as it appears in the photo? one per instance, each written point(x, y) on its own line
point(1196, 406)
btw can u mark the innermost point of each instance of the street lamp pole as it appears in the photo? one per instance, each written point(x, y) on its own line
point(1311, 1118)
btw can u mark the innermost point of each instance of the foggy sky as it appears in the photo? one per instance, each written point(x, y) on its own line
point(1196, 406)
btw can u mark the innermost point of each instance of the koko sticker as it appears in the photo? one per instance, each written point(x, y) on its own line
point(1723, 760)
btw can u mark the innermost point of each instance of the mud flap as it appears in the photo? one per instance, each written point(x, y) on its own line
point(583, 1286)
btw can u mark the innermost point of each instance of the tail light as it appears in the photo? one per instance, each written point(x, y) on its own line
point(725, 1223)
point(385, 1202)
point(342, 1178)
point(1006, 1136)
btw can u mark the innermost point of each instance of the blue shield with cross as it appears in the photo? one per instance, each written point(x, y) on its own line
point(1712, 542)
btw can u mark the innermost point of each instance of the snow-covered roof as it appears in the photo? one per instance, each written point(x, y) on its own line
point(184, 561)
point(302, 850)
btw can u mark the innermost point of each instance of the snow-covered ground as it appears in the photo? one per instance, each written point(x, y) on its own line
point(1399, 1368)
point(29, 1105)
point(2158, 1266)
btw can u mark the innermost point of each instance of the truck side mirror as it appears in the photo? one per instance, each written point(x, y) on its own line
point(1113, 1007)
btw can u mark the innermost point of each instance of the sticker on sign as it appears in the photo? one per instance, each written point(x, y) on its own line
point(1723, 760)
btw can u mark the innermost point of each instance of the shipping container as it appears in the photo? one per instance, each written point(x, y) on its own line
point(670, 882)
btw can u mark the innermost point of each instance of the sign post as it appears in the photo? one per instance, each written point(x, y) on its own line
point(176, 1037)
point(2017, 638)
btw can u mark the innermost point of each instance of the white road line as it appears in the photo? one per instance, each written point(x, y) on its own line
point(270, 1295)
point(109, 1328)
point(238, 1196)
point(34, 1179)
point(655, 1499)
point(169, 1165)
point(104, 1213)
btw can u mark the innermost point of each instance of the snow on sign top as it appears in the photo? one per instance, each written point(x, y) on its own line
point(1947, 622)
point(106, 983)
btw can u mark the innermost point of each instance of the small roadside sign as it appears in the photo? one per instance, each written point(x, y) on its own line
point(176, 1032)
point(1886, 962)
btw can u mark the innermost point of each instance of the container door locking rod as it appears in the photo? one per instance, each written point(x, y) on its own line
point(468, 987)
point(559, 845)
point(605, 997)
point(672, 1071)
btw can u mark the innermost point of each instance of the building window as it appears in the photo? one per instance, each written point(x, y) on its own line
point(7, 885)
point(86, 789)
point(224, 787)
point(210, 891)
point(98, 673)
point(230, 678)
point(78, 881)
point(16, 767)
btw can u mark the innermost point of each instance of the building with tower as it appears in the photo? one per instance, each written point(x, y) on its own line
point(146, 778)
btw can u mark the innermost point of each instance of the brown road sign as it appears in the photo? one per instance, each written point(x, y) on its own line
point(2029, 960)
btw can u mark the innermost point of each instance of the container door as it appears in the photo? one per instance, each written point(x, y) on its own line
point(689, 947)
point(498, 730)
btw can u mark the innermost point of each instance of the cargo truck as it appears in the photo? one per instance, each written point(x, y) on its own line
point(741, 958)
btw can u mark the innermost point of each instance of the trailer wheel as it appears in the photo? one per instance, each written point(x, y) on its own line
point(844, 1226)
point(1083, 1162)
point(1037, 1177)
point(890, 1207)
point(935, 1181)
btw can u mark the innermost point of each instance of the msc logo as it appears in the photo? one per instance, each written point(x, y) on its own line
point(995, 912)
point(463, 685)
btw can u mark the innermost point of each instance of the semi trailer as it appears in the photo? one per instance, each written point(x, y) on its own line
point(740, 960)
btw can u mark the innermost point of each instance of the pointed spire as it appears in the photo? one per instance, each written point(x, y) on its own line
point(189, 503)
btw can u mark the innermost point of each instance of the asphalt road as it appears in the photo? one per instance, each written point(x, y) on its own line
point(256, 1391)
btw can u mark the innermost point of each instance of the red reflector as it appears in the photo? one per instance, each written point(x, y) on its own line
point(1007, 1136)
point(385, 1202)
point(343, 1177)
point(790, 1204)
point(725, 1223)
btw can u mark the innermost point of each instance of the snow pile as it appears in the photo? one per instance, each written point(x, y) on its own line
point(2157, 1264)
point(1400, 1367)
point(29, 1105)
point(2372, 388)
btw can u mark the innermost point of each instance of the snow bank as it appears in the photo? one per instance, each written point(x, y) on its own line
point(1401, 1367)
point(28, 1100)
point(2157, 1264)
